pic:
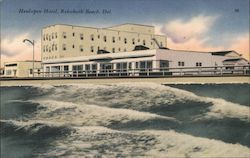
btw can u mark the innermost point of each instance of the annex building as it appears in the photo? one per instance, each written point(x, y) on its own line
point(21, 68)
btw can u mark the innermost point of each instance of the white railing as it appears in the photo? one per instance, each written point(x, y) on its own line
point(159, 72)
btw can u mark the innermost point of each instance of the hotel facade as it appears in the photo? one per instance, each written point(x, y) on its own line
point(122, 48)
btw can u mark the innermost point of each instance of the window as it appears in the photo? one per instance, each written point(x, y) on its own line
point(73, 46)
point(136, 65)
point(94, 68)
point(149, 64)
point(105, 38)
point(8, 72)
point(125, 40)
point(164, 63)
point(81, 48)
point(113, 39)
point(92, 37)
point(77, 68)
point(65, 68)
point(81, 36)
point(121, 66)
point(124, 66)
point(73, 34)
point(87, 67)
point(113, 50)
point(146, 65)
point(198, 64)
point(133, 41)
point(144, 42)
point(64, 35)
point(181, 63)
point(64, 46)
point(142, 65)
point(130, 65)
point(92, 48)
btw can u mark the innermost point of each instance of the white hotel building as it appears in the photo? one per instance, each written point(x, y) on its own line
point(121, 48)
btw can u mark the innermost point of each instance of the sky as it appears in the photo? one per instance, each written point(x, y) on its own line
point(199, 25)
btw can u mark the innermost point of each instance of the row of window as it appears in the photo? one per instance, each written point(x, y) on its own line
point(119, 66)
point(48, 37)
point(92, 48)
point(197, 64)
point(50, 48)
point(92, 38)
point(49, 57)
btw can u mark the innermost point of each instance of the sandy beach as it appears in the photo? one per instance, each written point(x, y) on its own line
point(174, 80)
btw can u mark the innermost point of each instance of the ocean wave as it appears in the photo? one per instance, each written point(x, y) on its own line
point(144, 96)
point(175, 144)
point(73, 114)
point(101, 141)
point(34, 128)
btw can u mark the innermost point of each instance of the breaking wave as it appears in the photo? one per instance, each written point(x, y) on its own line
point(144, 97)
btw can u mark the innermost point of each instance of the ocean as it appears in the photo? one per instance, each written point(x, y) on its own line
point(125, 120)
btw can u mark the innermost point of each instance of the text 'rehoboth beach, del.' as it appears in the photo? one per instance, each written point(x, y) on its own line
point(64, 11)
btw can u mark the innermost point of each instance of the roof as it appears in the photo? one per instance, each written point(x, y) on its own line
point(131, 24)
point(222, 53)
point(108, 56)
point(140, 47)
point(234, 59)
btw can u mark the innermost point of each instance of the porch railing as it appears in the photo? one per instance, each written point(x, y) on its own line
point(150, 72)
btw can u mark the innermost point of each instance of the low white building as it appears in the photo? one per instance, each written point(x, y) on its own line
point(21, 68)
point(137, 62)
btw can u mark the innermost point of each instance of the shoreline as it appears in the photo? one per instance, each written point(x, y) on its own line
point(172, 80)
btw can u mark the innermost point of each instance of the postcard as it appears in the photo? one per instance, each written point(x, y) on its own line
point(134, 78)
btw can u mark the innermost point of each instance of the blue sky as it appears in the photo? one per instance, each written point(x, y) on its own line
point(226, 21)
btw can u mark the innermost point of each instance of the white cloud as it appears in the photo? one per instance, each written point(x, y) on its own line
point(180, 31)
point(193, 35)
point(241, 45)
point(13, 48)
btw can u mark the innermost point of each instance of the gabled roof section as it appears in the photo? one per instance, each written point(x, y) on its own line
point(229, 60)
point(222, 53)
point(234, 60)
